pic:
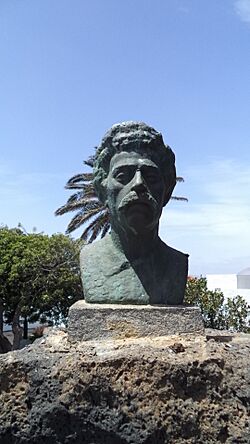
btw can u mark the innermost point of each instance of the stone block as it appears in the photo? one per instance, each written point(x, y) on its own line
point(112, 321)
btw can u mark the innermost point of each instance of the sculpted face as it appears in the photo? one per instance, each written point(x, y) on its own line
point(135, 192)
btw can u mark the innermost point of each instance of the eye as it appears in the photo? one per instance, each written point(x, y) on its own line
point(151, 177)
point(124, 176)
point(121, 177)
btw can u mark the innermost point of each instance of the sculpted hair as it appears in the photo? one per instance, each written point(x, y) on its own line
point(138, 137)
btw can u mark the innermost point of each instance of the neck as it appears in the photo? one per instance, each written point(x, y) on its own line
point(135, 245)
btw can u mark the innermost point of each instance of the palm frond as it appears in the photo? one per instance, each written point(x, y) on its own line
point(97, 226)
point(90, 161)
point(106, 227)
point(75, 223)
point(81, 196)
point(83, 205)
point(80, 219)
point(184, 199)
point(78, 179)
point(95, 231)
point(85, 191)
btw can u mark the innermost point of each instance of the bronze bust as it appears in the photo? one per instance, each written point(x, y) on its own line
point(134, 175)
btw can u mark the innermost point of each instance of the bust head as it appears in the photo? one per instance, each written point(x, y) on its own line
point(134, 175)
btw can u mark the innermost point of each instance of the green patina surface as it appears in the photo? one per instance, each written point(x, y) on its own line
point(134, 177)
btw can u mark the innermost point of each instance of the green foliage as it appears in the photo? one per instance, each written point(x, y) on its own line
point(234, 314)
point(210, 302)
point(39, 275)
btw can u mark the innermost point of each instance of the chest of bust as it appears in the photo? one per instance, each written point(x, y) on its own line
point(111, 278)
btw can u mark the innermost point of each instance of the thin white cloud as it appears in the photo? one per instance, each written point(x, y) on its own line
point(215, 230)
point(23, 188)
point(242, 8)
point(31, 198)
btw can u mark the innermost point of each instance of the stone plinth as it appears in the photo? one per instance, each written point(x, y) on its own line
point(109, 321)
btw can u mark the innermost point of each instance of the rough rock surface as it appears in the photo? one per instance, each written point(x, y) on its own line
point(175, 389)
point(114, 321)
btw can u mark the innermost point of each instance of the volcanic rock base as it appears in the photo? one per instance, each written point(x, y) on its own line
point(181, 389)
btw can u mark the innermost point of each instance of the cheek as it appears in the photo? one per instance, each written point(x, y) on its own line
point(158, 192)
point(113, 194)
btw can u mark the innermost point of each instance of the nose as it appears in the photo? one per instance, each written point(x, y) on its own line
point(138, 182)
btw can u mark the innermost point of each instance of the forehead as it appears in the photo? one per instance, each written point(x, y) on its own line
point(125, 158)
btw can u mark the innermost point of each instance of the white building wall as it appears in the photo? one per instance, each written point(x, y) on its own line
point(245, 294)
point(227, 283)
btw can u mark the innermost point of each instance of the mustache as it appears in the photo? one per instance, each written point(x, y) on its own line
point(133, 197)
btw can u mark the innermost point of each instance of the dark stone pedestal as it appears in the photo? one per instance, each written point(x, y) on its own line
point(109, 321)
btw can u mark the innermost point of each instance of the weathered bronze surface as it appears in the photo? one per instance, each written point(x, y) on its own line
point(134, 176)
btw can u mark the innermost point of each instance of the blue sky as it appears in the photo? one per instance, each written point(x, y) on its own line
point(70, 69)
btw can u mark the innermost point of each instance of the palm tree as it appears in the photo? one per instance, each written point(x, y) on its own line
point(184, 199)
point(86, 203)
point(89, 209)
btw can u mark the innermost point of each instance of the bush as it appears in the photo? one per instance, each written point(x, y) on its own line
point(234, 314)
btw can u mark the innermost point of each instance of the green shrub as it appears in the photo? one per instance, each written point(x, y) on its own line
point(232, 314)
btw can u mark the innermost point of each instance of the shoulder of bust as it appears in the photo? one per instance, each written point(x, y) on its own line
point(97, 248)
point(176, 255)
point(179, 254)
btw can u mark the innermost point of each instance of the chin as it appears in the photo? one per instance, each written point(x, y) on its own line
point(139, 219)
point(140, 227)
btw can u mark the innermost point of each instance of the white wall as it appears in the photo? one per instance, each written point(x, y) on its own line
point(227, 283)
